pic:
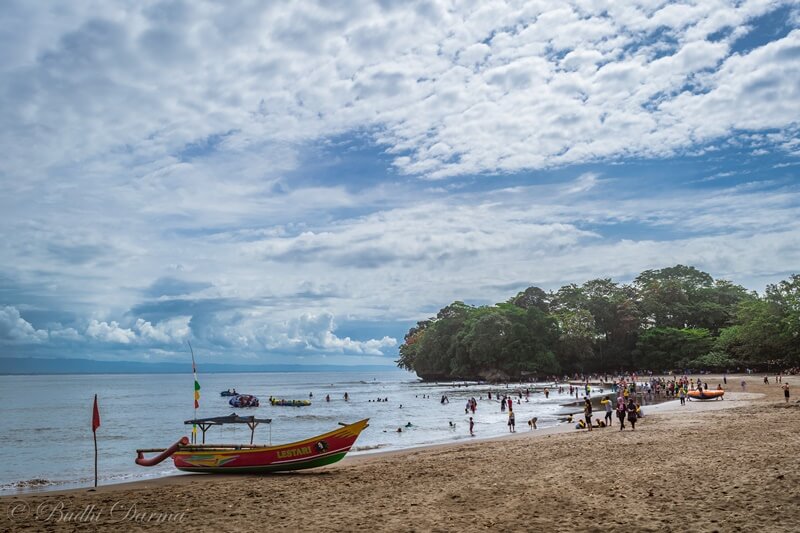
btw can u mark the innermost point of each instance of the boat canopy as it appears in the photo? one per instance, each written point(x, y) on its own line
point(251, 421)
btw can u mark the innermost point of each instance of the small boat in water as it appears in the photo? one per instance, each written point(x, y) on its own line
point(705, 394)
point(228, 392)
point(289, 403)
point(316, 451)
point(244, 400)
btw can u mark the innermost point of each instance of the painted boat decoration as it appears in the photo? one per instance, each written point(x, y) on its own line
point(243, 400)
point(289, 403)
point(705, 394)
point(314, 452)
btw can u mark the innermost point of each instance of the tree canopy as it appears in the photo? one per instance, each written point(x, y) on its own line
point(673, 318)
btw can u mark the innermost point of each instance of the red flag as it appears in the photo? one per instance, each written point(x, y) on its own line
point(95, 415)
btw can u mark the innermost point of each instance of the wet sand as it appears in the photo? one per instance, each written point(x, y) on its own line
point(730, 465)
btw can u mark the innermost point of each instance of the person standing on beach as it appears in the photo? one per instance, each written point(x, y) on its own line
point(744, 384)
point(786, 392)
point(511, 427)
point(621, 413)
point(471, 427)
point(587, 412)
point(632, 414)
point(683, 396)
point(606, 402)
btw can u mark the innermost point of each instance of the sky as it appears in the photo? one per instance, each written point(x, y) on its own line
point(301, 182)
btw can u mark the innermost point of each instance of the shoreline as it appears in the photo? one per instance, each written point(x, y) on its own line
point(718, 465)
point(358, 456)
point(664, 406)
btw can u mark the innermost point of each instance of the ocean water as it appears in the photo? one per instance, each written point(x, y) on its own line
point(46, 437)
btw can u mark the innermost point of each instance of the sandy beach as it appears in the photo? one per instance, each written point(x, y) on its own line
point(730, 465)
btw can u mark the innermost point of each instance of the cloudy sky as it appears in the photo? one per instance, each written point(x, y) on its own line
point(301, 182)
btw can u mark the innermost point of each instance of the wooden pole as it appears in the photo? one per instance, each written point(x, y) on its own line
point(95, 425)
point(95, 457)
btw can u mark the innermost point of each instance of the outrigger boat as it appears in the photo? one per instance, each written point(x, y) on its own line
point(321, 450)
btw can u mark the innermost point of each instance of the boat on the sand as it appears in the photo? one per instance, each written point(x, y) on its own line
point(705, 394)
point(314, 452)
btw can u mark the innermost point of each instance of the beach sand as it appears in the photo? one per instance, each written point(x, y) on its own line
point(730, 465)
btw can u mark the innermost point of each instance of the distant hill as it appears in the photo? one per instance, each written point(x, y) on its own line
point(18, 365)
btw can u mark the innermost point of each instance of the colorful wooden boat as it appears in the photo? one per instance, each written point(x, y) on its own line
point(705, 394)
point(249, 459)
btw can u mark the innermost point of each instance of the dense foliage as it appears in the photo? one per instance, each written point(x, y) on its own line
point(667, 319)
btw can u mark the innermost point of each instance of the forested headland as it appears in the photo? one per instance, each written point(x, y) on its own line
point(675, 318)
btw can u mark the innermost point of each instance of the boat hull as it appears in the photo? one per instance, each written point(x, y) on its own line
point(317, 451)
point(706, 394)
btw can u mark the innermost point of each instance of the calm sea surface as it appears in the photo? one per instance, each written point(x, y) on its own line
point(46, 436)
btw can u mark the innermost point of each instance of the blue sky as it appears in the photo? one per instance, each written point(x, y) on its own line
point(302, 183)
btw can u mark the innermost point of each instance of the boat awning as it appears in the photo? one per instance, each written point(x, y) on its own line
point(233, 418)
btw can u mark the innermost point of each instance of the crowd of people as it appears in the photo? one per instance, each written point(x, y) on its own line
point(627, 395)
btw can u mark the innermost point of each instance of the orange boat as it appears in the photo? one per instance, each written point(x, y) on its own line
point(706, 394)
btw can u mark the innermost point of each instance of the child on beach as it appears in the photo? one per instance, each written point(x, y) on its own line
point(587, 412)
point(511, 428)
point(631, 408)
point(621, 413)
point(471, 427)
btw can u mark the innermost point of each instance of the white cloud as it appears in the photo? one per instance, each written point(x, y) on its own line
point(569, 82)
point(315, 332)
point(174, 330)
point(110, 332)
point(16, 330)
point(253, 331)
point(584, 183)
point(189, 140)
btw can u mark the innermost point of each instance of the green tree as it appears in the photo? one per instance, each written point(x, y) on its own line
point(669, 297)
point(786, 296)
point(576, 340)
point(532, 297)
point(671, 348)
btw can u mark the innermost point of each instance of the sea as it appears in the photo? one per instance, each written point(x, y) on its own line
point(46, 440)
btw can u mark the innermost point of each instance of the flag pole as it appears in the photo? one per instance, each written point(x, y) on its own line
point(196, 395)
point(95, 458)
point(95, 425)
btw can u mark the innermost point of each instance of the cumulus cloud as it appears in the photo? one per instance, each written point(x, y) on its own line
point(170, 331)
point(315, 332)
point(200, 163)
point(174, 330)
point(16, 330)
point(251, 331)
point(110, 332)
